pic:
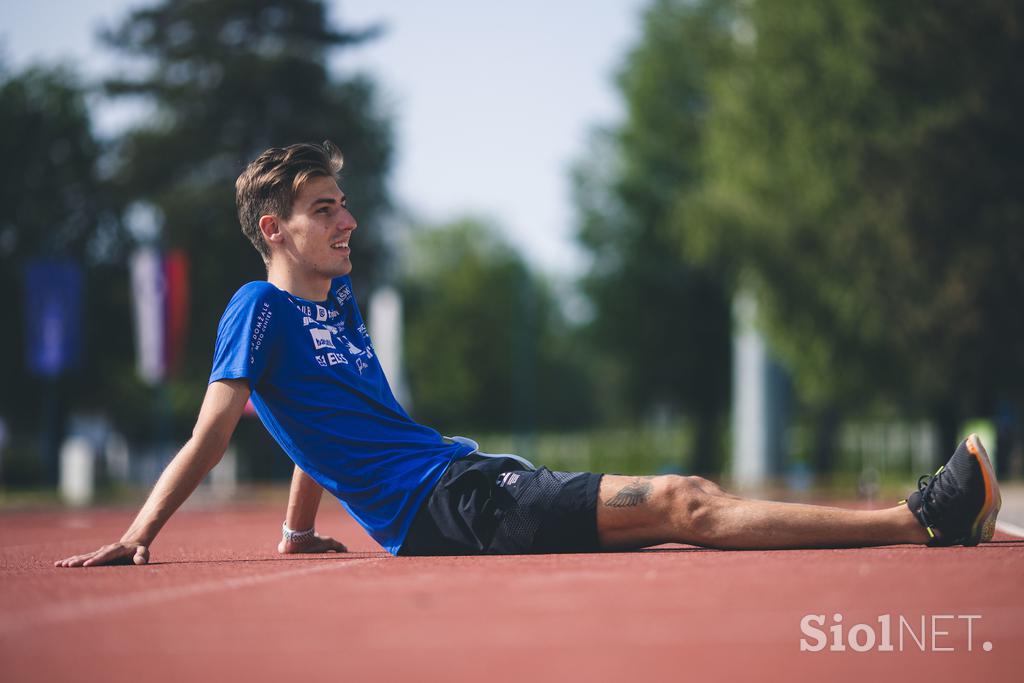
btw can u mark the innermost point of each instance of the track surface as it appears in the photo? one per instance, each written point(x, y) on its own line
point(218, 603)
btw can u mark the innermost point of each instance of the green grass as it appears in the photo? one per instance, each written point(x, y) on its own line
point(623, 450)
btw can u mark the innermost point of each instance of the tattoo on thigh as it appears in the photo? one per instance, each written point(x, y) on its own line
point(633, 493)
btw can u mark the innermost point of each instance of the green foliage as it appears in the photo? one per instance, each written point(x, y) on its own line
point(49, 190)
point(949, 171)
point(228, 79)
point(863, 175)
point(773, 210)
point(856, 165)
point(641, 449)
point(661, 325)
point(486, 346)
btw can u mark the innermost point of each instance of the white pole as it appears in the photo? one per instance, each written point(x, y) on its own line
point(77, 471)
point(749, 411)
point(148, 303)
point(386, 332)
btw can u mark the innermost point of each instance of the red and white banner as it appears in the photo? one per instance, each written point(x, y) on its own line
point(160, 301)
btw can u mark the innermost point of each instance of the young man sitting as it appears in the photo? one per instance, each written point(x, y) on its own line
point(297, 345)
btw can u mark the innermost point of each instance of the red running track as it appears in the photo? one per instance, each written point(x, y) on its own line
point(218, 603)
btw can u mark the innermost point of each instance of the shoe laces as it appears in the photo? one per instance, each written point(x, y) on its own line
point(930, 494)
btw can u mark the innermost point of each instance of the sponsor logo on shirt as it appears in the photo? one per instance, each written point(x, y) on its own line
point(321, 313)
point(259, 330)
point(321, 360)
point(336, 358)
point(321, 339)
point(361, 365)
point(343, 294)
point(351, 348)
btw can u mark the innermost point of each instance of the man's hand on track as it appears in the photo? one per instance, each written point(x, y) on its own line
point(115, 553)
point(314, 544)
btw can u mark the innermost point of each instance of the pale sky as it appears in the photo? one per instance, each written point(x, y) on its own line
point(492, 101)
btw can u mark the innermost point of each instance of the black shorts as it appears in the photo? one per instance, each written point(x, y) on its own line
point(487, 505)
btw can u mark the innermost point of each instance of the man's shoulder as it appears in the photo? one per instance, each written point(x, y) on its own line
point(252, 298)
point(258, 290)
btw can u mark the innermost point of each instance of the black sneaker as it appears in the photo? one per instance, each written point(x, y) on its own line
point(960, 502)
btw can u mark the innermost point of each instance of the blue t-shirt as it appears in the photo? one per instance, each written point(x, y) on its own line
point(321, 393)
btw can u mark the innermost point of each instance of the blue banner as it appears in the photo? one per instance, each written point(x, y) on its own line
point(53, 315)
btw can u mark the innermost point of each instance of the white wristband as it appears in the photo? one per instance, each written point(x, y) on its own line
point(295, 536)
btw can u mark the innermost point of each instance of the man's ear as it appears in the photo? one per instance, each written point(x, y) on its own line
point(271, 229)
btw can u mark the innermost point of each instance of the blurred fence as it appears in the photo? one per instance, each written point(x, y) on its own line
point(637, 450)
point(869, 451)
point(871, 454)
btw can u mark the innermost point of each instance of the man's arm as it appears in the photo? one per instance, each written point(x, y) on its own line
point(303, 503)
point(218, 417)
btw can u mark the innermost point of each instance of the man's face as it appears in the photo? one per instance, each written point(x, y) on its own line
point(315, 239)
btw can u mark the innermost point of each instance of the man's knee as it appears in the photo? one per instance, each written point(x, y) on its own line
point(690, 503)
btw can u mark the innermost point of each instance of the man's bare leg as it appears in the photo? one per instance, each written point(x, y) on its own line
point(634, 512)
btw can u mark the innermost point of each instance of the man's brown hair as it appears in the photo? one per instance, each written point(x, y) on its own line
point(269, 185)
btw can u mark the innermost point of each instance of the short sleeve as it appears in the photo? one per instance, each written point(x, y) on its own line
point(245, 335)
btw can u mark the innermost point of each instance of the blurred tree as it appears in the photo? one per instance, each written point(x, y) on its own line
point(863, 174)
point(228, 79)
point(51, 193)
point(662, 325)
point(950, 171)
point(55, 206)
point(777, 186)
point(486, 346)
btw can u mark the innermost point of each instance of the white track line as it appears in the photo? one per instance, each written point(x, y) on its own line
point(90, 607)
point(1010, 528)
